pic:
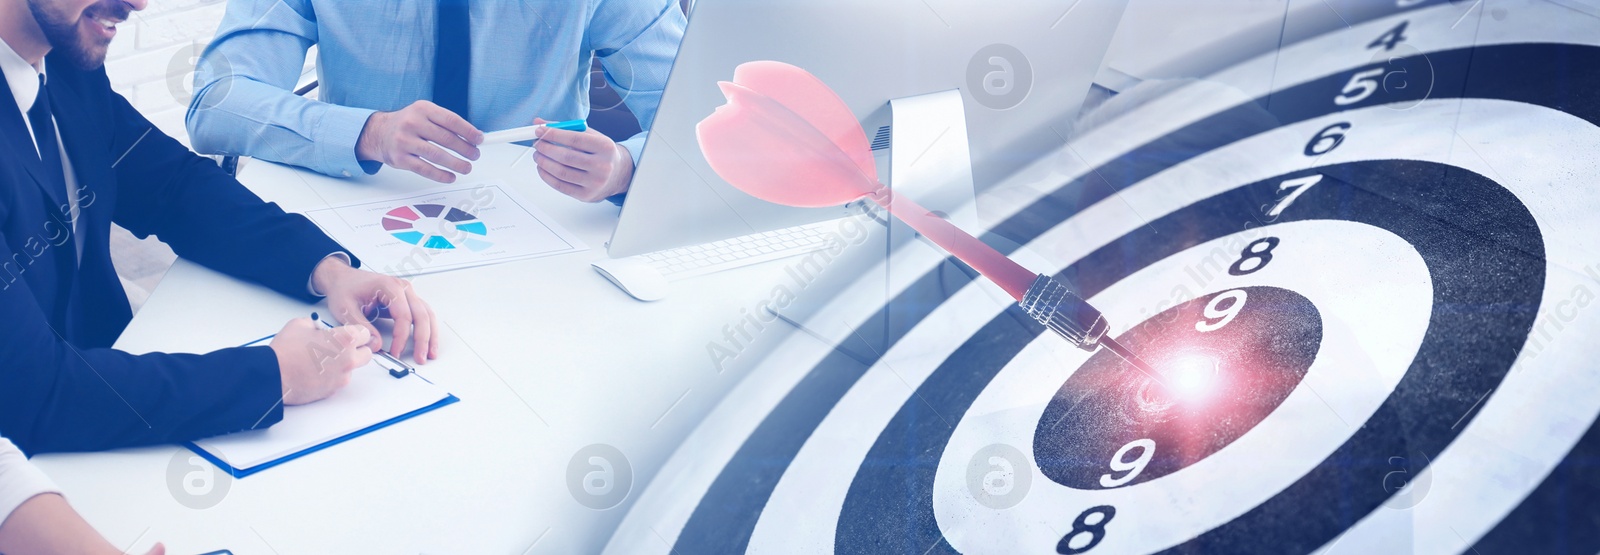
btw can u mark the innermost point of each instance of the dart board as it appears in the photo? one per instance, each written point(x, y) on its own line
point(1366, 284)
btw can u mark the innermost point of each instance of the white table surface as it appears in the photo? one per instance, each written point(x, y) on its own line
point(545, 354)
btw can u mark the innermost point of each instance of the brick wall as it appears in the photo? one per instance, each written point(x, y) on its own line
point(151, 62)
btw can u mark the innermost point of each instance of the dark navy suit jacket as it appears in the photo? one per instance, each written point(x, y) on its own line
point(62, 388)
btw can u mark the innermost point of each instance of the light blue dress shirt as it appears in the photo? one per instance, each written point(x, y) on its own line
point(529, 58)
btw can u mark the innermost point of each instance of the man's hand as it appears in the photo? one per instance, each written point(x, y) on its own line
point(586, 166)
point(415, 138)
point(356, 297)
point(45, 523)
point(315, 361)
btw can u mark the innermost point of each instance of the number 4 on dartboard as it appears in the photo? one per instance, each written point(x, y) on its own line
point(1390, 39)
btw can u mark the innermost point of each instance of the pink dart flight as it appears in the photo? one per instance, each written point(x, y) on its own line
point(785, 137)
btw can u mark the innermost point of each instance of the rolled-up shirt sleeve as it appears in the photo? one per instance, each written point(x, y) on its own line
point(19, 480)
point(636, 42)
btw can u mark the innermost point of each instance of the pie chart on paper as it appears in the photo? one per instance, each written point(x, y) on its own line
point(445, 229)
point(435, 226)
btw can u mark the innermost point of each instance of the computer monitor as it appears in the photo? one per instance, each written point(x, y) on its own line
point(1024, 68)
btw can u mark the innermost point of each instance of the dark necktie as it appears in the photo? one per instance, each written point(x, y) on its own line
point(44, 133)
point(452, 56)
point(42, 120)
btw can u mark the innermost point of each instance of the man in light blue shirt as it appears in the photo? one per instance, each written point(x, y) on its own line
point(393, 74)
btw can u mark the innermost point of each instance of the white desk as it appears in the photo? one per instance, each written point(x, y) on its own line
point(546, 356)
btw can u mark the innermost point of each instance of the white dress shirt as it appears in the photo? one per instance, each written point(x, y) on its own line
point(23, 78)
point(19, 479)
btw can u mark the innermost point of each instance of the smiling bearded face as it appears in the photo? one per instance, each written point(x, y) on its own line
point(81, 29)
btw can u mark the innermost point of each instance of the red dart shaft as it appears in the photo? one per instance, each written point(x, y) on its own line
point(1048, 301)
point(1009, 275)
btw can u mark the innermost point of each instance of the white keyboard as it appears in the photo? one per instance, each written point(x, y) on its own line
point(648, 276)
point(727, 254)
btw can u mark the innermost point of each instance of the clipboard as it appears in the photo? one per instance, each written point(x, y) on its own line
point(348, 414)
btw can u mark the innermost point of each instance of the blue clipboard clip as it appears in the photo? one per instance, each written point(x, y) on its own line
point(387, 361)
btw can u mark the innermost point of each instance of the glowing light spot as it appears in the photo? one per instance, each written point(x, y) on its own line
point(1191, 377)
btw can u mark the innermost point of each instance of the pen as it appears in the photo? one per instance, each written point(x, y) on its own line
point(527, 133)
point(387, 361)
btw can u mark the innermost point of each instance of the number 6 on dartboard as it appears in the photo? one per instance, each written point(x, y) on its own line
point(1327, 139)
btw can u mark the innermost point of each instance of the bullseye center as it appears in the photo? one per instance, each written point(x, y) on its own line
point(1187, 378)
point(1112, 425)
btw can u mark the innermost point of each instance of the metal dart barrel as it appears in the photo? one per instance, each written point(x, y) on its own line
point(1051, 303)
point(1064, 312)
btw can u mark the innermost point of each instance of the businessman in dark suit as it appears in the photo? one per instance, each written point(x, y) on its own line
point(76, 157)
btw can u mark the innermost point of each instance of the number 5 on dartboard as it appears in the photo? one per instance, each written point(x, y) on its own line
point(1361, 85)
